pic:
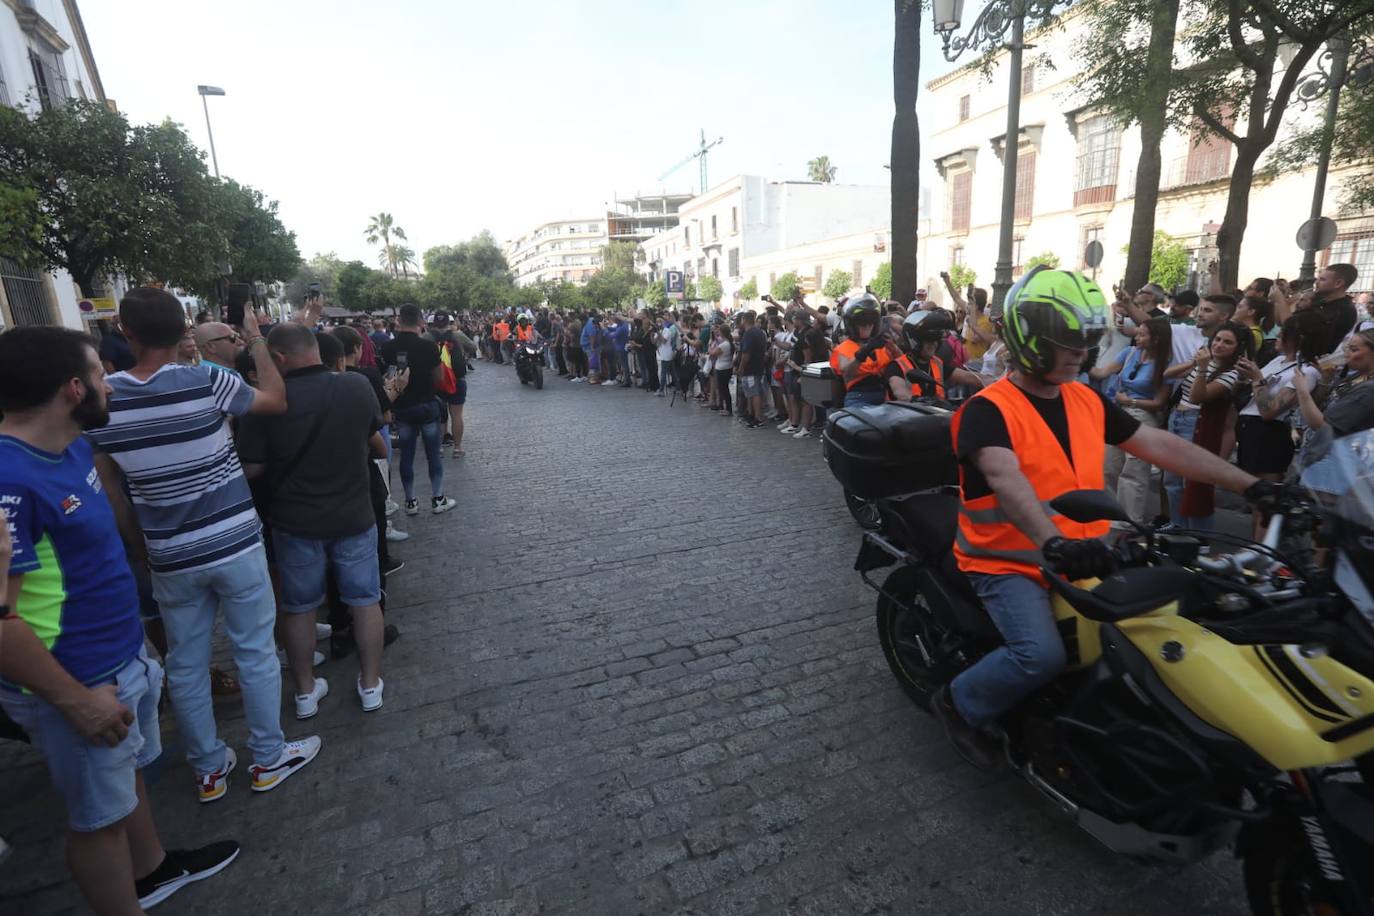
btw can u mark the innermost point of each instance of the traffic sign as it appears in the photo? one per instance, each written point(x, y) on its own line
point(1317, 234)
point(1092, 256)
point(96, 307)
point(674, 284)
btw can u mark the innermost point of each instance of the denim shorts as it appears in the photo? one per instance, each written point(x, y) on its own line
point(751, 385)
point(301, 567)
point(460, 394)
point(791, 383)
point(97, 782)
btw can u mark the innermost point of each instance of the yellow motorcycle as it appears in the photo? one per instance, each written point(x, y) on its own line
point(1209, 700)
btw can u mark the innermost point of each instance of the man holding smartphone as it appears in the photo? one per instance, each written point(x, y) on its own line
point(417, 410)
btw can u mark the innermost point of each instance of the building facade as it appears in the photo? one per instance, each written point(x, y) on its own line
point(45, 59)
point(1076, 179)
point(638, 219)
point(750, 228)
point(561, 251)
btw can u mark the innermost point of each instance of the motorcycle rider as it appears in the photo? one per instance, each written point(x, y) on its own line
point(525, 332)
point(1021, 442)
point(924, 331)
point(863, 356)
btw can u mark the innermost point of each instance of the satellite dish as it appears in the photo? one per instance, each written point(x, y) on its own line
point(1316, 234)
point(1092, 255)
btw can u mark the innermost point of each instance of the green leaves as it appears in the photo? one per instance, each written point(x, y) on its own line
point(709, 289)
point(750, 290)
point(838, 283)
point(881, 284)
point(785, 287)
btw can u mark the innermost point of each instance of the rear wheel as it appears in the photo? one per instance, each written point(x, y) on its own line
point(864, 511)
point(909, 636)
point(1282, 876)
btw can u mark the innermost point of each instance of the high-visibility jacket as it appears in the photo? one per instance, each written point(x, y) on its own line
point(524, 332)
point(500, 331)
point(868, 368)
point(987, 541)
point(935, 370)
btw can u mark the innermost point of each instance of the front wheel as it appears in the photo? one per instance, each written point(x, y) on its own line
point(1282, 877)
point(909, 636)
point(865, 512)
point(539, 378)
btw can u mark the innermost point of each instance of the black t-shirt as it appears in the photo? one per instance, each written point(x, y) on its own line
point(1339, 316)
point(982, 426)
point(409, 350)
point(374, 378)
point(754, 344)
point(115, 350)
point(818, 342)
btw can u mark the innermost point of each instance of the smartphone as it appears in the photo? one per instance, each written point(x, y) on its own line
point(402, 360)
point(240, 294)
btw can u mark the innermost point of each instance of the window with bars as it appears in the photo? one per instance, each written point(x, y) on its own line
point(1028, 79)
point(734, 219)
point(956, 254)
point(1356, 249)
point(732, 258)
point(817, 275)
point(1025, 184)
point(858, 273)
point(963, 107)
point(1209, 156)
point(1099, 150)
point(687, 236)
point(1017, 252)
point(715, 267)
point(960, 200)
point(26, 291)
point(714, 234)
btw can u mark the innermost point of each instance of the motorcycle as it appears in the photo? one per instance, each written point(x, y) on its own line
point(529, 363)
point(1208, 700)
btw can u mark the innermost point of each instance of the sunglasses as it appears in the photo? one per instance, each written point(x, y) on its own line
point(225, 337)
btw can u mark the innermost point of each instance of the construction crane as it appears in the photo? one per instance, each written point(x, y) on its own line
point(702, 149)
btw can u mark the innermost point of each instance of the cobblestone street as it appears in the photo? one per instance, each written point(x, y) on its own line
point(636, 674)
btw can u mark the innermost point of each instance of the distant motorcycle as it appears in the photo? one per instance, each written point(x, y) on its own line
point(529, 363)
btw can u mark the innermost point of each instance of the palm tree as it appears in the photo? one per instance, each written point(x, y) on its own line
point(382, 228)
point(403, 257)
point(820, 169)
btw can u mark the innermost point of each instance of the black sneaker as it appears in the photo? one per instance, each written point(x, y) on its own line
point(181, 867)
point(448, 440)
point(973, 744)
point(393, 565)
point(754, 424)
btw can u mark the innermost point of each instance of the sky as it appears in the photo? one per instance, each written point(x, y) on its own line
point(460, 116)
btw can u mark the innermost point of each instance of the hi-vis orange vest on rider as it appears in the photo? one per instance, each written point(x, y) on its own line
point(870, 367)
point(523, 332)
point(987, 542)
point(500, 330)
point(935, 371)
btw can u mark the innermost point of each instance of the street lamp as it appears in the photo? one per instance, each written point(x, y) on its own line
point(205, 91)
point(988, 30)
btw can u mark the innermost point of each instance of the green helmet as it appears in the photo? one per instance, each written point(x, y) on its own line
point(1047, 309)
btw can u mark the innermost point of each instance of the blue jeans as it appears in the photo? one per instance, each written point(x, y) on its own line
point(1182, 423)
point(303, 562)
point(95, 781)
point(623, 358)
point(864, 398)
point(1031, 657)
point(413, 423)
point(242, 588)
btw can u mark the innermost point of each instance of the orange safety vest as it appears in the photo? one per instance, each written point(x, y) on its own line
point(874, 366)
point(523, 333)
point(501, 331)
point(936, 371)
point(987, 541)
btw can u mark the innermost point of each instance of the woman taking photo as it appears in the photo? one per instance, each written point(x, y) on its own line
point(722, 356)
point(1264, 430)
point(1349, 407)
point(1143, 392)
point(1208, 389)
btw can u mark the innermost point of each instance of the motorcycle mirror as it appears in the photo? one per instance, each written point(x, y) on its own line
point(1085, 506)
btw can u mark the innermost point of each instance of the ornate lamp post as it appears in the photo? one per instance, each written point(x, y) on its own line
point(989, 30)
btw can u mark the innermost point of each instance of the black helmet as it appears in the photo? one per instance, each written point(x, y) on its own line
point(862, 309)
point(927, 327)
point(1049, 308)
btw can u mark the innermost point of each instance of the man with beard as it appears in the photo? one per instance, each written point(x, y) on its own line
point(73, 671)
point(169, 436)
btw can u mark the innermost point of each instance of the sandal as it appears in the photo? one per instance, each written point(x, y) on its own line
point(459, 453)
point(222, 683)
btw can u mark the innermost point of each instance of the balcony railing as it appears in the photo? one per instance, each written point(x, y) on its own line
point(1201, 167)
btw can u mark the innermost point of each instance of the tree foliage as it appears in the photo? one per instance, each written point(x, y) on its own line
point(881, 284)
point(785, 287)
point(1169, 258)
point(1047, 258)
point(820, 169)
point(323, 268)
point(710, 289)
point(961, 276)
point(110, 198)
point(655, 294)
point(750, 290)
point(479, 254)
point(837, 284)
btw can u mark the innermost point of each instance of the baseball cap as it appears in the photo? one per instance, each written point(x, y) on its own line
point(441, 318)
point(1186, 297)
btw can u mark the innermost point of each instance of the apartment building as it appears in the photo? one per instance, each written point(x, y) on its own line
point(45, 59)
point(1076, 178)
point(566, 250)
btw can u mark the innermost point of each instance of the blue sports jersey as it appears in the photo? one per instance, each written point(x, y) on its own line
point(78, 594)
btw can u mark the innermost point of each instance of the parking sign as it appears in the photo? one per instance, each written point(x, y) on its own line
point(673, 284)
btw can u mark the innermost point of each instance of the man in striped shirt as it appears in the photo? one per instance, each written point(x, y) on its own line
point(169, 436)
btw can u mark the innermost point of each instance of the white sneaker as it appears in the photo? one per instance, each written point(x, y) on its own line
point(785, 423)
point(294, 755)
point(307, 704)
point(803, 434)
point(609, 381)
point(323, 631)
point(391, 507)
point(442, 505)
point(787, 430)
point(371, 698)
point(394, 534)
point(316, 659)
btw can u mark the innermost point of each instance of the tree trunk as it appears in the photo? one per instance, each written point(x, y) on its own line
point(1152, 116)
point(906, 148)
point(1233, 224)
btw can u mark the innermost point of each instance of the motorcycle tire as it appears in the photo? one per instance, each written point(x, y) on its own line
point(538, 378)
point(1280, 872)
point(897, 626)
point(865, 512)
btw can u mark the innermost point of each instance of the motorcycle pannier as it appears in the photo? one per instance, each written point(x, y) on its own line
point(894, 448)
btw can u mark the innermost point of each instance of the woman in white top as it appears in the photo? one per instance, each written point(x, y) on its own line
point(1264, 431)
point(722, 353)
point(1208, 389)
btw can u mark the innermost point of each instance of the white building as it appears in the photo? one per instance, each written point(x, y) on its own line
point(1076, 179)
point(45, 59)
point(751, 228)
point(564, 250)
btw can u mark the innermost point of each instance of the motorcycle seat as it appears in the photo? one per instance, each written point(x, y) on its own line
point(1127, 592)
point(965, 610)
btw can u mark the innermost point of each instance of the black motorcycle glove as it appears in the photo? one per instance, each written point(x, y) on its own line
point(1078, 558)
point(1265, 495)
point(868, 349)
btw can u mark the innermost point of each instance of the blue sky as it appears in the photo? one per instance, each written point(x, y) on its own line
point(459, 116)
